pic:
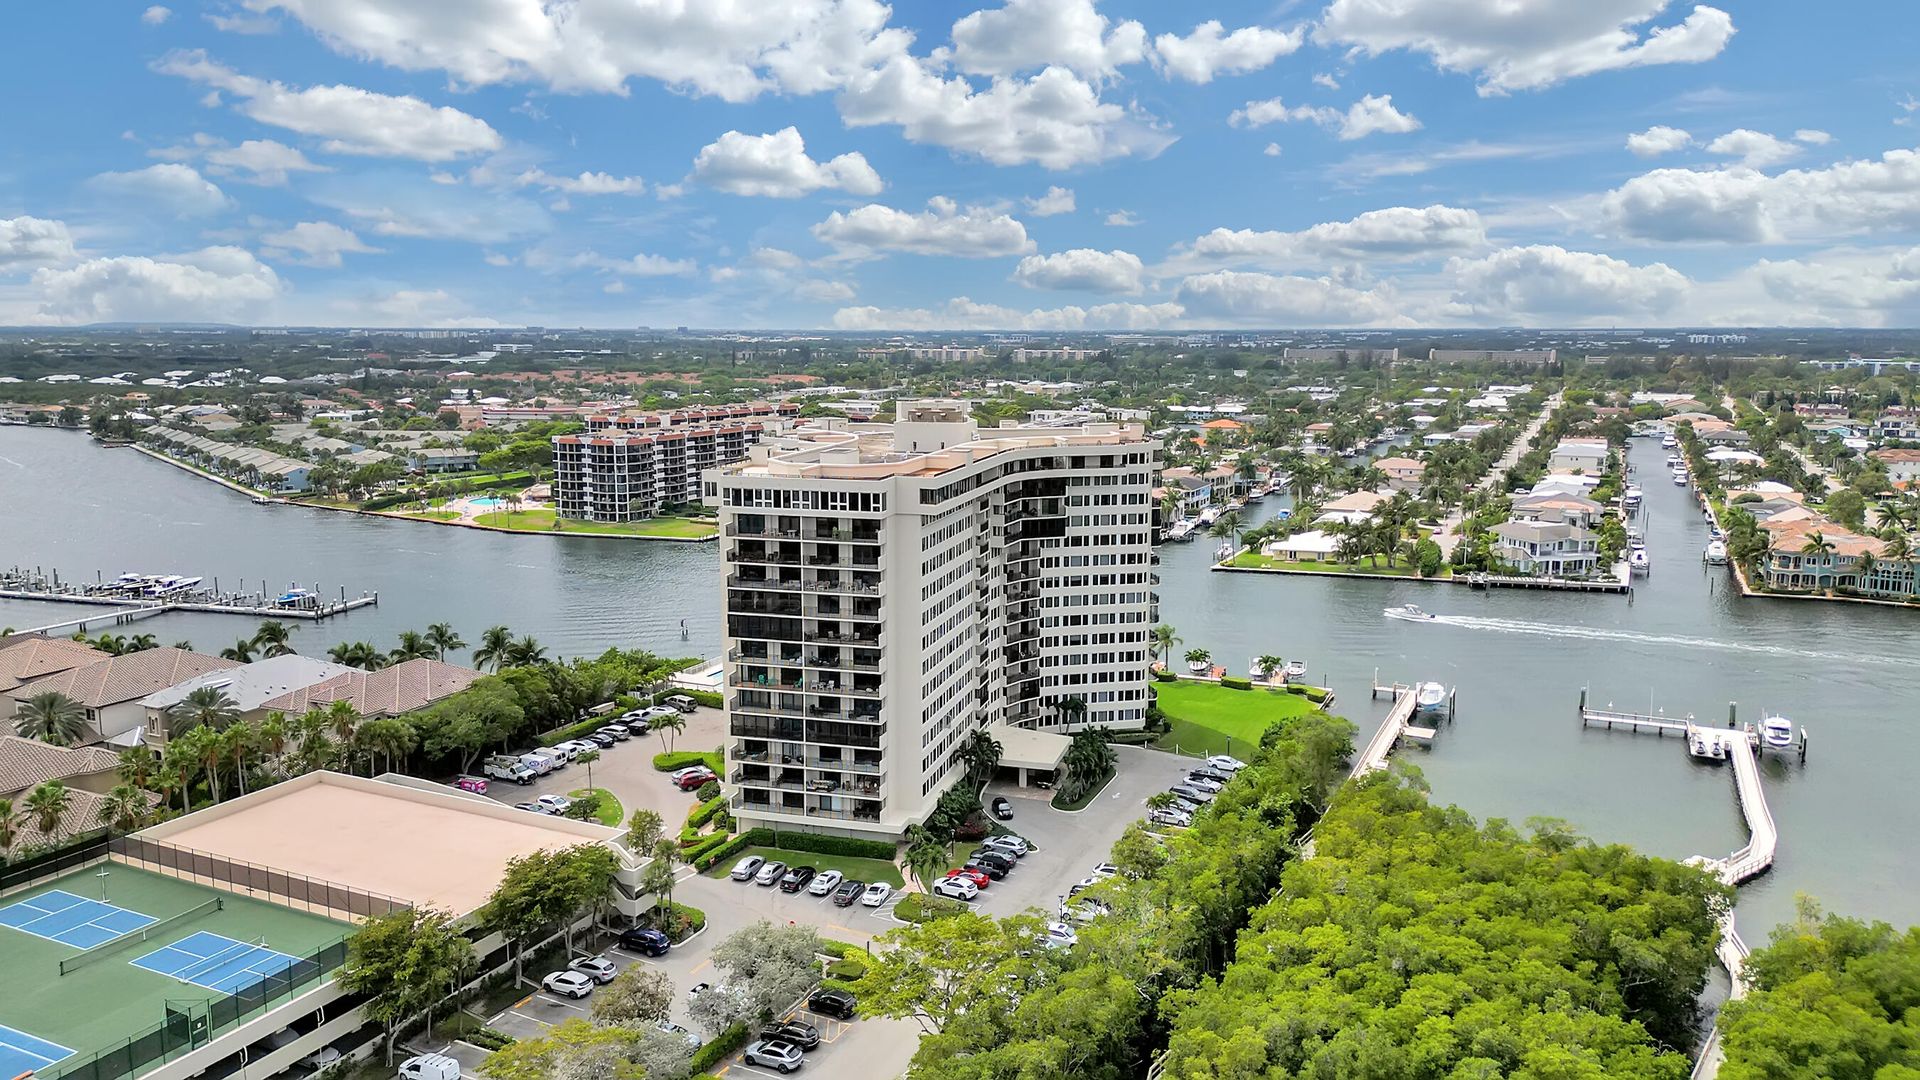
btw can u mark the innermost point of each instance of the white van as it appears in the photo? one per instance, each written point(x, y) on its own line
point(430, 1067)
point(542, 762)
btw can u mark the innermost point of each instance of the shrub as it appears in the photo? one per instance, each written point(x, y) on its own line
point(488, 1039)
point(1162, 675)
point(838, 984)
point(850, 847)
point(574, 731)
point(728, 849)
point(847, 968)
point(720, 1048)
point(839, 950)
point(711, 803)
point(702, 845)
point(680, 759)
point(1234, 682)
point(708, 791)
point(921, 907)
point(680, 921)
point(708, 698)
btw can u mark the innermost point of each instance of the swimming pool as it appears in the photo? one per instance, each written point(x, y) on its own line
point(488, 501)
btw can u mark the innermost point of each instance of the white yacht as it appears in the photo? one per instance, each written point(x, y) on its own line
point(1637, 561)
point(1408, 613)
point(1777, 732)
point(1210, 515)
point(1429, 697)
point(1632, 497)
point(1716, 553)
point(1680, 477)
point(1200, 667)
point(1181, 529)
point(1224, 551)
point(1669, 442)
point(1295, 669)
point(1674, 460)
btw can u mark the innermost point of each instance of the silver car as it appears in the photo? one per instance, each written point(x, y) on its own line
point(783, 1056)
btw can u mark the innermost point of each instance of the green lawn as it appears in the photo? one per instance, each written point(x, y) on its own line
point(1249, 560)
point(611, 812)
point(1208, 719)
point(868, 870)
point(434, 515)
point(543, 521)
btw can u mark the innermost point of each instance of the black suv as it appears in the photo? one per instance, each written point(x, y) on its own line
point(848, 892)
point(804, 1036)
point(796, 879)
point(835, 1003)
point(643, 939)
point(993, 858)
point(992, 869)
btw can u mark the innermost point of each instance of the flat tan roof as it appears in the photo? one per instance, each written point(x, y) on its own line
point(433, 850)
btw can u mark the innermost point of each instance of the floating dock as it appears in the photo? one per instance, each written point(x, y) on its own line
point(132, 603)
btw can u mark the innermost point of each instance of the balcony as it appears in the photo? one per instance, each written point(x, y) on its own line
point(740, 605)
point(769, 558)
point(867, 641)
point(869, 768)
point(840, 663)
point(788, 781)
point(868, 810)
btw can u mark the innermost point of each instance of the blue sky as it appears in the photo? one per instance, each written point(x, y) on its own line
point(1037, 164)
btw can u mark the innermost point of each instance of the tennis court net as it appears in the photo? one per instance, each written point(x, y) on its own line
point(145, 933)
point(192, 972)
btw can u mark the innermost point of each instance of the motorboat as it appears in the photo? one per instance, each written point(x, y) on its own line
point(1716, 553)
point(1200, 667)
point(1636, 542)
point(1409, 613)
point(1224, 551)
point(1180, 530)
point(1210, 515)
point(1295, 669)
point(1674, 461)
point(1237, 503)
point(1680, 477)
point(293, 597)
point(171, 583)
point(1637, 561)
point(1632, 498)
point(1429, 697)
point(1668, 442)
point(1777, 732)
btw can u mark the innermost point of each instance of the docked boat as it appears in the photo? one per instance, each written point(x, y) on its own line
point(1674, 461)
point(1777, 732)
point(1200, 667)
point(1409, 613)
point(294, 597)
point(1669, 442)
point(171, 583)
point(1704, 746)
point(1680, 477)
point(1180, 530)
point(1295, 669)
point(1210, 515)
point(1236, 503)
point(1716, 553)
point(1637, 561)
point(1429, 697)
point(1224, 551)
point(1632, 498)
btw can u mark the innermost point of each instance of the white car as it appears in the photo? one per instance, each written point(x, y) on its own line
point(876, 894)
point(580, 746)
point(595, 968)
point(567, 984)
point(1226, 764)
point(955, 888)
point(671, 1028)
point(1009, 843)
point(555, 804)
point(783, 1056)
point(1084, 910)
point(1060, 935)
point(826, 883)
point(1169, 816)
point(747, 867)
point(1105, 870)
point(1206, 784)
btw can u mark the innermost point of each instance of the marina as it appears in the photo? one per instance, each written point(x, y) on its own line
point(135, 596)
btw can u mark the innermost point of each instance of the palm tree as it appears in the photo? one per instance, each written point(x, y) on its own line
point(342, 719)
point(239, 741)
point(206, 706)
point(667, 727)
point(124, 809)
point(1817, 544)
point(241, 651)
point(444, 639)
point(492, 652)
point(171, 776)
point(358, 654)
point(1198, 656)
point(47, 805)
point(273, 638)
point(137, 765)
point(1269, 664)
point(9, 827)
point(587, 758)
point(314, 749)
point(981, 753)
point(413, 646)
point(526, 653)
point(273, 739)
point(925, 858)
point(1164, 639)
point(390, 737)
point(203, 748)
point(52, 717)
point(142, 642)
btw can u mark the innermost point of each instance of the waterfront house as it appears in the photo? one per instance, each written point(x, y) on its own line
point(87, 772)
point(1546, 549)
point(441, 459)
point(1310, 546)
point(249, 687)
point(1195, 493)
point(1724, 436)
point(1585, 456)
point(1403, 473)
point(111, 690)
point(1556, 507)
point(1903, 466)
point(1354, 508)
point(1839, 559)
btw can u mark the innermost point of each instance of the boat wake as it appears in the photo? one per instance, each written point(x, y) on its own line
point(1595, 633)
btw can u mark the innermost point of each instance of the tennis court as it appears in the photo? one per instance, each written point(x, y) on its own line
point(22, 1053)
point(71, 920)
point(216, 962)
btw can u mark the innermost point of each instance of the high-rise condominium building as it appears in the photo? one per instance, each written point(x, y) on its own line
point(630, 468)
point(893, 588)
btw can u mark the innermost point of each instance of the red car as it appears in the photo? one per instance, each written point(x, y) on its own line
point(974, 876)
point(693, 780)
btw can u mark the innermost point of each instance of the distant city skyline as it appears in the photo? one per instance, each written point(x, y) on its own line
point(1022, 165)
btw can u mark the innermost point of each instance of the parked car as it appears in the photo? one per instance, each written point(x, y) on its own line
point(991, 856)
point(475, 784)
point(804, 1036)
point(980, 878)
point(555, 804)
point(602, 739)
point(616, 732)
point(681, 703)
point(1192, 794)
point(769, 873)
point(567, 984)
point(580, 746)
point(1170, 816)
point(1015, 846)
point(532, 807)
point(955, 888)
point(1001, 808)
point(1212, 773)
point(656, 712)
point(1105, 870)
point(835, 1003)
point(848, 892)
point(783, 1056)
point(796, 878)
point(1060, 935)
point(747, 867)
point(1203, 782)
point(635, 723)
point(430, 1067)
point(693, 780)
point(693, 1041)
point(876, 894)
point(994, 872)
point(1226, 764)
point(594, 967)
point(645, 939)
point(825, 883)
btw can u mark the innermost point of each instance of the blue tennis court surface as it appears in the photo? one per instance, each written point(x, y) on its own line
point(22, 1053)
point(71, 920)
point(216, 962)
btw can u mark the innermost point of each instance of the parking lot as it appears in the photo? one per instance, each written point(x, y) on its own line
point(626, 769)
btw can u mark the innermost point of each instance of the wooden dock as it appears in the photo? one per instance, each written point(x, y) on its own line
point(130, 605)
point(1398, 724)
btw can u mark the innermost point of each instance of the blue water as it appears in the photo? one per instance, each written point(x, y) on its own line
point(489, 501)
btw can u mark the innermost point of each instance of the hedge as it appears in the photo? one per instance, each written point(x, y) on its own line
point(1315, 694)
point(1162, 675)
point(680, 759)
point(703, 813)
point(848, 846)
point(721, 1048)
point(709, 698)
point(838, 984)
point(839, 949)
point(725, 850)
point(488, 1039)
point(574, 731)
point(701, 846)
point(848, 969)
point(1234, 682)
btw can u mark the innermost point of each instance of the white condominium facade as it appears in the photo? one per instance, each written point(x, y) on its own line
point(891, 589)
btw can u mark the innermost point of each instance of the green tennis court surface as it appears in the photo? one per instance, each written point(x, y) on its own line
point(108, 998)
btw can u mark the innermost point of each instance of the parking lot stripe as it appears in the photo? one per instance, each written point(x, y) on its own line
point(744, 1067)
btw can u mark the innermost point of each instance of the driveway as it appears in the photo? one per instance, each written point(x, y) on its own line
point(626, 769)
point(1069, 844)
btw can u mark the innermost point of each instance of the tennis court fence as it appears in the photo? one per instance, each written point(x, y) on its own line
point(293, 890)
point(79, 960)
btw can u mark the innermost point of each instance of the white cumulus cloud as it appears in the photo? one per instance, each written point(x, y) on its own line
point(942, 229)
point(1755, 149)
point(1057, 200)
point(1400, 233)
point(1528, 44)
point(1082, 268)
point(1371, 115)
point(1209, 50)
point(1741, 205)
point(1658, 140)
point(1550, 283)
point(32, 241)
point(1244, 298)
point(215, 284)
point(156, 15)
point(266, 161)
point(347, 119)
point(777, 166)
point(1027, 35)
point(587, 183)
point(314, 243)
point(178, 187)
